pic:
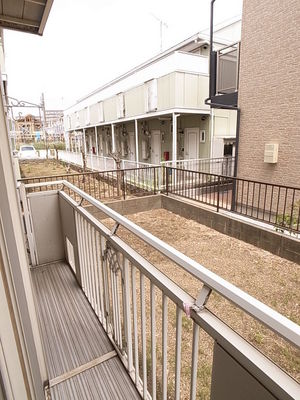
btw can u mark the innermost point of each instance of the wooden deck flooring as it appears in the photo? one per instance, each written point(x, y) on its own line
point(73, 336)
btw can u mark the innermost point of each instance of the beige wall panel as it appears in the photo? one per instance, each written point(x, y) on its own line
point(73, 120)
point(190, 90)
point(135, 101)
point(94, 114)
point(179, 93)
point(110, 109)
point(203, 91)
point(82, 117)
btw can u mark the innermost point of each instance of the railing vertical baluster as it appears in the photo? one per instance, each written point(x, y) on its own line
point(253, 197)
point(194, 361)
point(265, 198)
point(105, 283)
point(164, 346)
point(143, 331)
point(284, 206)
point(218, 195)
point(167, 180)
point(153, 339)
point(123, 183)
point(271, 204)
point(135, 328)
point(258, 200)
point(127, 314)
point(292, 211)
point(100, 277)
point(178, 352)
point(96, 273)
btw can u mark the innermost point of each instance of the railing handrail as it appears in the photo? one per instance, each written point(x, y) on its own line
point(198, 159)
point(235, 178)
point(87, 173)
point(271, 318)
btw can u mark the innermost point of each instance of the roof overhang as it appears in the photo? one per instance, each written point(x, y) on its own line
point(25, 15)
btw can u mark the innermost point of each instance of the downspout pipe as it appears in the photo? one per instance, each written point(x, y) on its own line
point(212, 55)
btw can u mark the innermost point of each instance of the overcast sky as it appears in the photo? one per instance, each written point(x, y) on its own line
point(86, 43)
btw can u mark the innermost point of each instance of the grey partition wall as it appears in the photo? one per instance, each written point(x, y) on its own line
point(46, 226)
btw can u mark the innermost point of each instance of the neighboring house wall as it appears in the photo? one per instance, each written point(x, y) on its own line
point(269, 91)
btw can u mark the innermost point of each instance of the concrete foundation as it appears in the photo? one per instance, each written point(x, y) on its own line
point(274, 242)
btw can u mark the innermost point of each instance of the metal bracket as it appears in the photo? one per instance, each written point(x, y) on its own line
point(203, 296)
point(115, 228)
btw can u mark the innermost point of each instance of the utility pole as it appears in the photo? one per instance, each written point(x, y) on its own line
point(44, 123)
point(161, 25)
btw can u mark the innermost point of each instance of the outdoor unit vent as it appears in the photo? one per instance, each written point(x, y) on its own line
point(271, 153)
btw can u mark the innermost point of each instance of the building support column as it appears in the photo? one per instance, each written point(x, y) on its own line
point(113, 142)
point(174, 143)
point(136, 140)
point(84, 142)
point(212, 128)
point(96, 135)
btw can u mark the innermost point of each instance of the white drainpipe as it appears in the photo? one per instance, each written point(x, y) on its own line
point(212, 123)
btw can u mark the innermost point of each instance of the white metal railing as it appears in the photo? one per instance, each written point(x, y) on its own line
point(218, 166)
point(70, 157)
point(123, 290)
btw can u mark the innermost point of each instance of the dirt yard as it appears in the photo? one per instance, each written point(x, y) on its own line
point(270, 279)
point(44, 168)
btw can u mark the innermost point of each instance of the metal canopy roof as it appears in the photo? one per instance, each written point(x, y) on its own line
point(25, 15)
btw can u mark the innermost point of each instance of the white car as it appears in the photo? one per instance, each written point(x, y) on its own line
point(27, 152)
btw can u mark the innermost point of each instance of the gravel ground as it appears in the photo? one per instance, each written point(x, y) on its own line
point(269, 278)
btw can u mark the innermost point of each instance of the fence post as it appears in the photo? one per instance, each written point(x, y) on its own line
point(218, 195)
point(167, 179)
point(233, 196)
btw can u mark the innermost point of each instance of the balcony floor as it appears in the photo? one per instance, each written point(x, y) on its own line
point(73, 336)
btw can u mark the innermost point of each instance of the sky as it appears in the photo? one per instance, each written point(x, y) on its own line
point(87, 43)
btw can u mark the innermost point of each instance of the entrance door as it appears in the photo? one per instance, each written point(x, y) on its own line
point(131, 146)
point(155, 147)
point(191, 143)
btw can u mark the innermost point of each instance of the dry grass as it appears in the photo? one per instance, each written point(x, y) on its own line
point(270, 279)
point(44, 168)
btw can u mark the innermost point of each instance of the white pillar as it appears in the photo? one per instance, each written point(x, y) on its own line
point(96, 134)
point(174, 143)
point(212, 127)
point(84, 142)
point(136, 140)
point(113, 142)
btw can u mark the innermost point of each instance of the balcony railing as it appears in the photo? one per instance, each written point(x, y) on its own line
point(228, 60)
point(131, 297)
point(218, 166)
point(277, 205)
point(108, 185)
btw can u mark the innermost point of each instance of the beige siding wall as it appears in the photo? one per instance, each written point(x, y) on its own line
point(110, 109)
point(94, 114)
point(269, 94)
point(135, 101)
point(166, 92)
point(191, 90)
point(178, 89)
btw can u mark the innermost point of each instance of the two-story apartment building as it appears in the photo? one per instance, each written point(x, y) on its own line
point(157, 110)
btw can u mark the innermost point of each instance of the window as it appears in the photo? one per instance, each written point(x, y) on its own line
point(228, 150)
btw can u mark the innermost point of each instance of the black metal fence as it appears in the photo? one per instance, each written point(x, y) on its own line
point(106, 185)
point(278, 205)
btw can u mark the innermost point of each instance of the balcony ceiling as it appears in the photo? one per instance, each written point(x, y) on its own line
point(25, 15)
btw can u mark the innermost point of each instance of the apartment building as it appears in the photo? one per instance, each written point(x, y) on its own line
point(260, 77)
point(157, 111)
point(269, 92)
